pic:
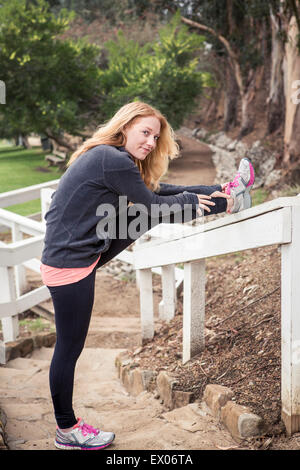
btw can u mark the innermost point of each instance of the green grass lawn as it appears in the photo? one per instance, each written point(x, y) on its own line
point(21, 167)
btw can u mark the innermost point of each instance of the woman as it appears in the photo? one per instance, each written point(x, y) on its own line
point(125, 158)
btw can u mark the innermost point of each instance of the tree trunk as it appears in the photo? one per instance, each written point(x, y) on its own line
point(231, 101)
point(25, 142)
point(292, 85)
point(275, 100)
point(255, 79)
point(247, 96)
point(247, 122)
point(60, 140)
point(246, 90)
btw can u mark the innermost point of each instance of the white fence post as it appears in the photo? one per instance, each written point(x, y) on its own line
point(46, 194)
point(290, 327)
point(20, 273)
point(143, 239)
point(146, 303)
point(10, 325)
point(193, 309)
point(137, 273)
point(168, 304)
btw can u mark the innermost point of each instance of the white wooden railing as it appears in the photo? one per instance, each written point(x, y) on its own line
point(274, 222)
point(15, 257)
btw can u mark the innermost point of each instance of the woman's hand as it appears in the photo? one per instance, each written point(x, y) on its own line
point(220, 194)
point(205, 201)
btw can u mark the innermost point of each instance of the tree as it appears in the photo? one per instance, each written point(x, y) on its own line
point(57, 86)
point(52, 84)
point(239, 33)
point(114, 11)
point(163, 73)
point(252, 41)
point(276, 100)
point(238, 30)
point(283, 102)
point(291, 71)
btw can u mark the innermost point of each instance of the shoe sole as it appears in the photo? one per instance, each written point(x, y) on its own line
point(59, 445)
point(252, 174)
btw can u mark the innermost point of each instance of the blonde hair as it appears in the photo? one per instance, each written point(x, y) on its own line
point(112, 133)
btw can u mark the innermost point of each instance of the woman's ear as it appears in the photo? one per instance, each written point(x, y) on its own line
point(123, 131)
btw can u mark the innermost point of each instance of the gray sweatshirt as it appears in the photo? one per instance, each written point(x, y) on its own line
point(99, 176)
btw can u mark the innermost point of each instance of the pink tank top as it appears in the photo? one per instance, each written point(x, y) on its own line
point(61, 276)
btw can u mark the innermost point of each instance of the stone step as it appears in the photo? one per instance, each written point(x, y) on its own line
point(105, 332)
point(22, 363)
point(16, 378)
point(140, 423)
point(125, 324)
point(26, 399)
point(34, 444)
point(44, 354)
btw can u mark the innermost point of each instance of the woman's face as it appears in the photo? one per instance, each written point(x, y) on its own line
point(142, 136)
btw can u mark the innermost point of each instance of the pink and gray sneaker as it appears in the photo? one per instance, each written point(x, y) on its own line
point(240, 187)
point(83, 437)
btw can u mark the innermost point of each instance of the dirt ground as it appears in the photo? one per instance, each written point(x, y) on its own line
point(242, 321)
point(242, 338)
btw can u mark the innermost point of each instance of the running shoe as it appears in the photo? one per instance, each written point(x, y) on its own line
point(240, 187)
point(83, 437)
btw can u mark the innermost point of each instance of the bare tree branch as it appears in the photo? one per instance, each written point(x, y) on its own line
point(231, 54)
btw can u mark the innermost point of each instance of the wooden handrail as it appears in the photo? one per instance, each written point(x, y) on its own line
point(17, 196)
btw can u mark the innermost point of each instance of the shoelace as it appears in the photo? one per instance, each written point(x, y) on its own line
point(87, 429)
point(232, 184)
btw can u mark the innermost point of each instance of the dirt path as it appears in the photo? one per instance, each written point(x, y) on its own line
point(141, 422)
point(194, 167)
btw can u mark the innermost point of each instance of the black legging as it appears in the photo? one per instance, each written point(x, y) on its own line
point(73, 305)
